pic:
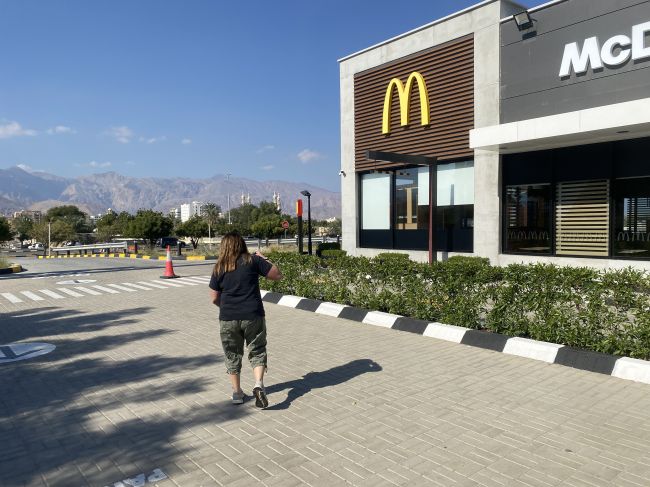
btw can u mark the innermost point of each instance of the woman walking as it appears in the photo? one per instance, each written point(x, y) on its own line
point(235, 290)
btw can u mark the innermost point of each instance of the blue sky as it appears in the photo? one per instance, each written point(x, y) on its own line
point(186, 88)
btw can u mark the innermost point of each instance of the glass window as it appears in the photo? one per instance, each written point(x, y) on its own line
point(456, 184)
point(631, 233)
point(375, 201)
point(412, 199)
point(528, 219)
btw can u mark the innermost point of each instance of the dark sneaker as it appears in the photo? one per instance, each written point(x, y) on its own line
point(260, 397)
point(238, 397)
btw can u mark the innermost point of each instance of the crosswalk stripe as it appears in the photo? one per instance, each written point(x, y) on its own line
point(137, 286)
point(152, 284)
point(32, 296)
point(12, 298)
point(122, 288)
point(106, 289)
point(89, 291)
point(69, 292)
point(51, 294)
point(200, 280)
point(182, 280)
point(169, 283)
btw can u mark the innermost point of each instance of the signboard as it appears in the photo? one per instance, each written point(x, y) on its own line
point(581, 54)
point(285, 224)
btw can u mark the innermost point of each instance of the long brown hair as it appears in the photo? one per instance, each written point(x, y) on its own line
point(232, 248)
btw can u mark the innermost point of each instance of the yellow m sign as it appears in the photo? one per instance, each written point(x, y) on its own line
point(404, 93)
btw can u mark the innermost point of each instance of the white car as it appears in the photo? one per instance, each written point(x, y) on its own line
point(36, 246)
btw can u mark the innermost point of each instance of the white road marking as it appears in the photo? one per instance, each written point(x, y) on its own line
point(137, 286)
point(89, 291)
point(168, 283)
point(32, 296)
point(51, 294)
point(106, 289)
point(12, 298)
point(122, 288)
point(152, 284)
point(70, 292)
point(182, 280)
point(197, 278)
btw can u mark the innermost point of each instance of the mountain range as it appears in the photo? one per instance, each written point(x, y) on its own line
point(95, 193)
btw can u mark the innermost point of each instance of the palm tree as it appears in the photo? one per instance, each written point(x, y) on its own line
point(211, 214)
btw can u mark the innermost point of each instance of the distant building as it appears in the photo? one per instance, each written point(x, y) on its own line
point(35, 215)
point(175, 213)
point(245, 199)
point(188, 210)
point(276, 201)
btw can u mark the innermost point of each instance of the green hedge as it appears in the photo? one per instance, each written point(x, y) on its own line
point(606, 311)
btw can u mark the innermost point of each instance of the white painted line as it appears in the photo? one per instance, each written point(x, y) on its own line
point(200, 279)
point(106, 289)
point(379, 318)
point(137, 286)
point(152, 284)
point(51, 294)
point(330, 309)
point(525, 347)
point(69, 292)
point(168, 283)
point(183, 280)
point(12, 298)
point(289, 301)
point(32, 296)
point(263, 292)
point(89, 291)
point(449, 333)
point(632, 369)
point(122, 288)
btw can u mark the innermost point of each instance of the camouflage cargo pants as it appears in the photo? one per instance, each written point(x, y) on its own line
point(234, 333)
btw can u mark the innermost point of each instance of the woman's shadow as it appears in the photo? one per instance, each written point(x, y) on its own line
point(316, 380)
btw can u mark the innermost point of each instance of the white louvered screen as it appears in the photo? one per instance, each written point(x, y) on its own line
point(582, 218)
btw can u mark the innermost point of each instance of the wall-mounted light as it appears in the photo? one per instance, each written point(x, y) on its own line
point(523, 20)
point(342, 173)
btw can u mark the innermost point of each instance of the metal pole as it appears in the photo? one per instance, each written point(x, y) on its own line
point(228, 189)
point(433, 204)
point(309, 225)
point(49, 239)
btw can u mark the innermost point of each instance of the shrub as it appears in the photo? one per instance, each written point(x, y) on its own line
point(333, 253)
point(606, 311)
point(322, 246)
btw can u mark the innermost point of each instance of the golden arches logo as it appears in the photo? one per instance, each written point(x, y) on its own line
point(404, 93)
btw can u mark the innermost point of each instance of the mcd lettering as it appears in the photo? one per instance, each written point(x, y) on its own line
point(615, 51)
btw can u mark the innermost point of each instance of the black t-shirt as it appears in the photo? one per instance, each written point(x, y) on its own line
point(240, 290)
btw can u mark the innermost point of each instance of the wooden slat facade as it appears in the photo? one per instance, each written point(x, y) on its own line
point(448, 71)
point(582, 218)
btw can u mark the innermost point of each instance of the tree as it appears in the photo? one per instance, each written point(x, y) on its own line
point(149, 225)
point(24, 227)
point(60, 232)
point(267, 226)
point(194, 228)
point(211, 214)
point(6, 232)
point(70, 214)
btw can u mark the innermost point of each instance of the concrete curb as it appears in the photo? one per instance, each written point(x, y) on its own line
point(130, 256)
point(11, 269)
point(552, 353)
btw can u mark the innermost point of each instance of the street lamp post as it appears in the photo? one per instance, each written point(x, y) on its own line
point(228, 189)
point(49, 239)
point(308, 195)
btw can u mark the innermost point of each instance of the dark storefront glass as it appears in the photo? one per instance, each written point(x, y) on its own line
point(408, 210)
point(631, 236)
point(528, 219)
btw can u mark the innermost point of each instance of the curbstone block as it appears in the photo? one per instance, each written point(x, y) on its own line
point(525, 347)
point(379, 318)
point(449, 333)
point(632, 369)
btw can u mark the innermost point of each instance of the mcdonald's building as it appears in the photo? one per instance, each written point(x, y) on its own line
point(521, 135)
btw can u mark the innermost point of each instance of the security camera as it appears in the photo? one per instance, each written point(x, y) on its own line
point(342, 173)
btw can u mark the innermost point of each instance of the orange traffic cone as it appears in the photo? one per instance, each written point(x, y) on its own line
point(169, 268)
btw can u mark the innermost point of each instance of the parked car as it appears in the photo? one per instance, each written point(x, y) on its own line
point(36, 246)
point(171, 241)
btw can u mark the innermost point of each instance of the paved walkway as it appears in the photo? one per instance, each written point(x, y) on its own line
point(137, 383)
